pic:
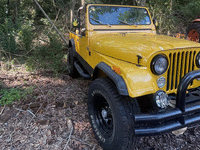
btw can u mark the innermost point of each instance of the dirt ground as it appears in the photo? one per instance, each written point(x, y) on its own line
point(55, 117)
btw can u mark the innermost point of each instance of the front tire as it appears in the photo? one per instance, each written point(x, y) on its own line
point(111, 116)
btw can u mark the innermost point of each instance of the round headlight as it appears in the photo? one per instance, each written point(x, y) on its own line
point(159, 64)
point(198, 60)
point(161, 99)
point(161, 82)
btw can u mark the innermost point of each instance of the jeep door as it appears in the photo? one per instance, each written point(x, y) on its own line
point(83, 35)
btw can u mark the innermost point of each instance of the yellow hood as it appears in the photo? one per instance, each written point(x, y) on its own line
point(127, 47)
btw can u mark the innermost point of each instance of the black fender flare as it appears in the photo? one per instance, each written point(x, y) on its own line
point(72, 45)
point(117, 79)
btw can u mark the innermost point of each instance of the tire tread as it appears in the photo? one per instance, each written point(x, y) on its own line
point(127, 106)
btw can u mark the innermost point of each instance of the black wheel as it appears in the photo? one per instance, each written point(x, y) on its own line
point(111, 116)
point(70, 62)
point(193, 32)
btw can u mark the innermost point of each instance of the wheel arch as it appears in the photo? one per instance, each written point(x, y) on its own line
point(117, 79)
point(72, 45)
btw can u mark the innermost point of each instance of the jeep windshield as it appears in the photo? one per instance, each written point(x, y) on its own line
point(113, 15)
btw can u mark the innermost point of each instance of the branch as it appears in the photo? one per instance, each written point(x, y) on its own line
point(69, 135)
point(51, 21)
point(54, 21)
point(2, 109)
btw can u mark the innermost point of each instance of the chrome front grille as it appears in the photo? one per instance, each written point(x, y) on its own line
point(180, 64)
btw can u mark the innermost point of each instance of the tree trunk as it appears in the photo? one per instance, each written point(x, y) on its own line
point(16, 10)
point(141, 2)
point(8, 7)
point(134, 3)
point(51, 21)
point(72, 12)
point(171, 5)
point(82, 2)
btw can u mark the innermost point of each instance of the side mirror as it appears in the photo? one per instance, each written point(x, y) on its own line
point(83, 31)
point(155, 22)
point(75, 22)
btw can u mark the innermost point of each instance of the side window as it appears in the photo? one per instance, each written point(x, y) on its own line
point(82, 22)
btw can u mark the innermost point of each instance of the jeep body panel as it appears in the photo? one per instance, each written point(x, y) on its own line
point(138, 79)
point(120, 45)
point(126, 46)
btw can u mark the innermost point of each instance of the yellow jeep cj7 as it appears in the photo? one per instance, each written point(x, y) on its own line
point(144, 84)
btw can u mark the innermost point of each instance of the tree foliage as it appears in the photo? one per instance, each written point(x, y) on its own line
point(24, 28)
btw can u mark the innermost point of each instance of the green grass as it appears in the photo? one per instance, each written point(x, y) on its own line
point(8, 96)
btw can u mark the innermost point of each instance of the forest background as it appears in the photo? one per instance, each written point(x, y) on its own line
point(27, 37)
point(38, 99)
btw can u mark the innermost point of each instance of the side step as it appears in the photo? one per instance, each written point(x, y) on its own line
point(80, 71)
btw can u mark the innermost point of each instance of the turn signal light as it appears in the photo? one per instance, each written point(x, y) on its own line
point(116, 70)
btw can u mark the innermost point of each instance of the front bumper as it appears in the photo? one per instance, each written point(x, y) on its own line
point(186, 113)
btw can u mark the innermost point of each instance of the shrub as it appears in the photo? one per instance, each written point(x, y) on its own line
point(7, 36)
point(48, 57)
point(26, 38)
point(8, 96)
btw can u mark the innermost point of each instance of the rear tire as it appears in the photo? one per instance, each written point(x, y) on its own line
point(111, 116)
point(193, 32)
point(70, 62)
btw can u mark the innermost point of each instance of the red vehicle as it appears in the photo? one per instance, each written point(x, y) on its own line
point(193, 31)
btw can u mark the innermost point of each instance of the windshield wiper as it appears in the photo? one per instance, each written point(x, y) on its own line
point(124, 22)
point(100, 22)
